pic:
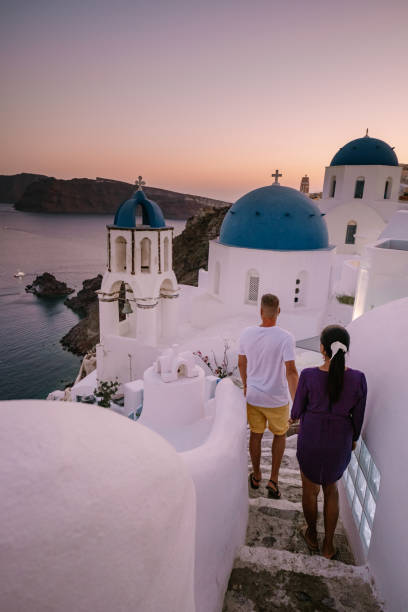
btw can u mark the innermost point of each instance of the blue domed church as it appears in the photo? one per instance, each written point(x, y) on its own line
point(274, 240)
point(360, 193)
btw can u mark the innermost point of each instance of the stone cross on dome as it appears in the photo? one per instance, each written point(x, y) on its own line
point(276, 176)
point(139, 183)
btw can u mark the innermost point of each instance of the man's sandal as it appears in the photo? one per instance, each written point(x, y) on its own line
point(254, 482)
point(273, 492)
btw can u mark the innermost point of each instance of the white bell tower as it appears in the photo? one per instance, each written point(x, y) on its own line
point(138, 296)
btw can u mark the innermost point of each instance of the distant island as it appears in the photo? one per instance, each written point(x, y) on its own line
point(38, 193)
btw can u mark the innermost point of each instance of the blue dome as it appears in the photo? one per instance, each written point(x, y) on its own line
point(365, 151)
point(151, 212)
point(274, 218)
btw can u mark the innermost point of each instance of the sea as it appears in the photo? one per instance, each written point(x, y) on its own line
point(73, 248)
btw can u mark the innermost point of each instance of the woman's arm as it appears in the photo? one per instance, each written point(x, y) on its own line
point(301, 398)
point(357, 414)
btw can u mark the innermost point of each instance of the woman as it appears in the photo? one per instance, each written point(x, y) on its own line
point(330, 403)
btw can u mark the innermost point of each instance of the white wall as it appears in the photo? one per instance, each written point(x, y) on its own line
point(278, 272)
point(219, 469)
point(373, 195)
point(97, 513)
point(369, 225)
point(383, 277)
point(379, 347)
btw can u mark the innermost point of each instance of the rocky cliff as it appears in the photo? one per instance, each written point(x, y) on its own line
point(190, 248)
point(13, 186)
point(83, 195)
point(190, 253)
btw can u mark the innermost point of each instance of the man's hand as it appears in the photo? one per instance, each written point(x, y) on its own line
point(292, 377)
point(293, 421)
point(242, 365)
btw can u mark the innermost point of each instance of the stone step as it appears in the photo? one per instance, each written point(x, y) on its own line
point(265, 579)
point(276, 526)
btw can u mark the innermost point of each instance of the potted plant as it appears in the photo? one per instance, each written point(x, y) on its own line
point(221, 369)
point(105, 390)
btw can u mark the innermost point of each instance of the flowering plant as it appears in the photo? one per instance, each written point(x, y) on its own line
point(105, 390)
point(221, 370)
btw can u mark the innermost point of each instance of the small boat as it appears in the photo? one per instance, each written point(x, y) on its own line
point(19, 274)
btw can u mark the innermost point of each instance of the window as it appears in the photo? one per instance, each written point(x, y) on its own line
point(166, 254)
point(332, 187)
point(359, 188)
point(387, 189)
point(362, 483)
point(120, 254)
point(217, 275)
point(145, 247)
point(252, 287)
point(351, 232)
point(300, 289)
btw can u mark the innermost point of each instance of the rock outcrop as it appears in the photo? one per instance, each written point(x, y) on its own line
point(13, 186)
point(84, 335)
point(103, 196)
point(190, 248)
point(82, 301)
point(46, 285)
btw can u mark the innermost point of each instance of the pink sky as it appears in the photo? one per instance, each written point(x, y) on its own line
point(205, 97)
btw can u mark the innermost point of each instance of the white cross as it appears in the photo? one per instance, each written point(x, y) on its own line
point(276, 175)
point(139, 183)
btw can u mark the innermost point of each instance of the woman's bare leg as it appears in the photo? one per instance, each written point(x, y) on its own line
point(331, 516)
point(309, 502)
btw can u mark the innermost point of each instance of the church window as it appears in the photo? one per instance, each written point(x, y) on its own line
point(359, 188)
point(362, 483)
point(300, 289)
point(252, 287)
point(145, 247)
point(166, 254)
point(333, 187)
point(351, 232)
point(387, 189)
point(217, 275)
point(120, 254)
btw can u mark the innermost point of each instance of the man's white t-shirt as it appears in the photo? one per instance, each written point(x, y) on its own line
point(266, 350)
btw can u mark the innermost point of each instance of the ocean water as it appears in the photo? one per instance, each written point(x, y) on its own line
point(73, 248)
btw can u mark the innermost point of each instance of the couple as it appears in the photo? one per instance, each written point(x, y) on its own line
point(329, 401)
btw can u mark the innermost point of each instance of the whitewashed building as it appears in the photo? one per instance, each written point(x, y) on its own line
point(138, 296)
point(360, 193)
point(273, 240)
point(383, 274)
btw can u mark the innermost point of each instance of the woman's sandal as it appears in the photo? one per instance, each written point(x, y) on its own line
point(254, 482)
point(312, 549)
point(273, 492)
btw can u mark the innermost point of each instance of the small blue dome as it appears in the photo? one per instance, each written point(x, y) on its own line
point(151, 212)
point(365, 151)
point(275, 218)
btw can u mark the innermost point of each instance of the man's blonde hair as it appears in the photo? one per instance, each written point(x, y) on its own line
point(270, 305)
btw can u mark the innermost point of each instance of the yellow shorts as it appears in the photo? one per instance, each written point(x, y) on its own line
point(277, 418)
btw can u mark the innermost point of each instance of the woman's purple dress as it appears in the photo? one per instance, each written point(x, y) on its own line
point(327, 431)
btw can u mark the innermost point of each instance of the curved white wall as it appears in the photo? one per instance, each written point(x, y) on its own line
point(379, 347)
point(219, 469)
point(369, 225)
point(97, 513)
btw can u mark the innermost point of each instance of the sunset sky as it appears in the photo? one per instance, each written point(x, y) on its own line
point(205, 97)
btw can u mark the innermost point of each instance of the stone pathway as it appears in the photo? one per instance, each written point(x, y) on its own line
point(275, 571)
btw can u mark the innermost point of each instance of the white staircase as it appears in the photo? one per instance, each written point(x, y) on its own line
point(275, 571)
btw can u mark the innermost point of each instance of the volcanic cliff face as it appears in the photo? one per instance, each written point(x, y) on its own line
point(103, 196)
point(13, 186)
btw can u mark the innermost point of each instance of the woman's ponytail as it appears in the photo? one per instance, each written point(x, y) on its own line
point(336, 341)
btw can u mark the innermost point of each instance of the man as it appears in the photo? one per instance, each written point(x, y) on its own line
point(266, 361)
